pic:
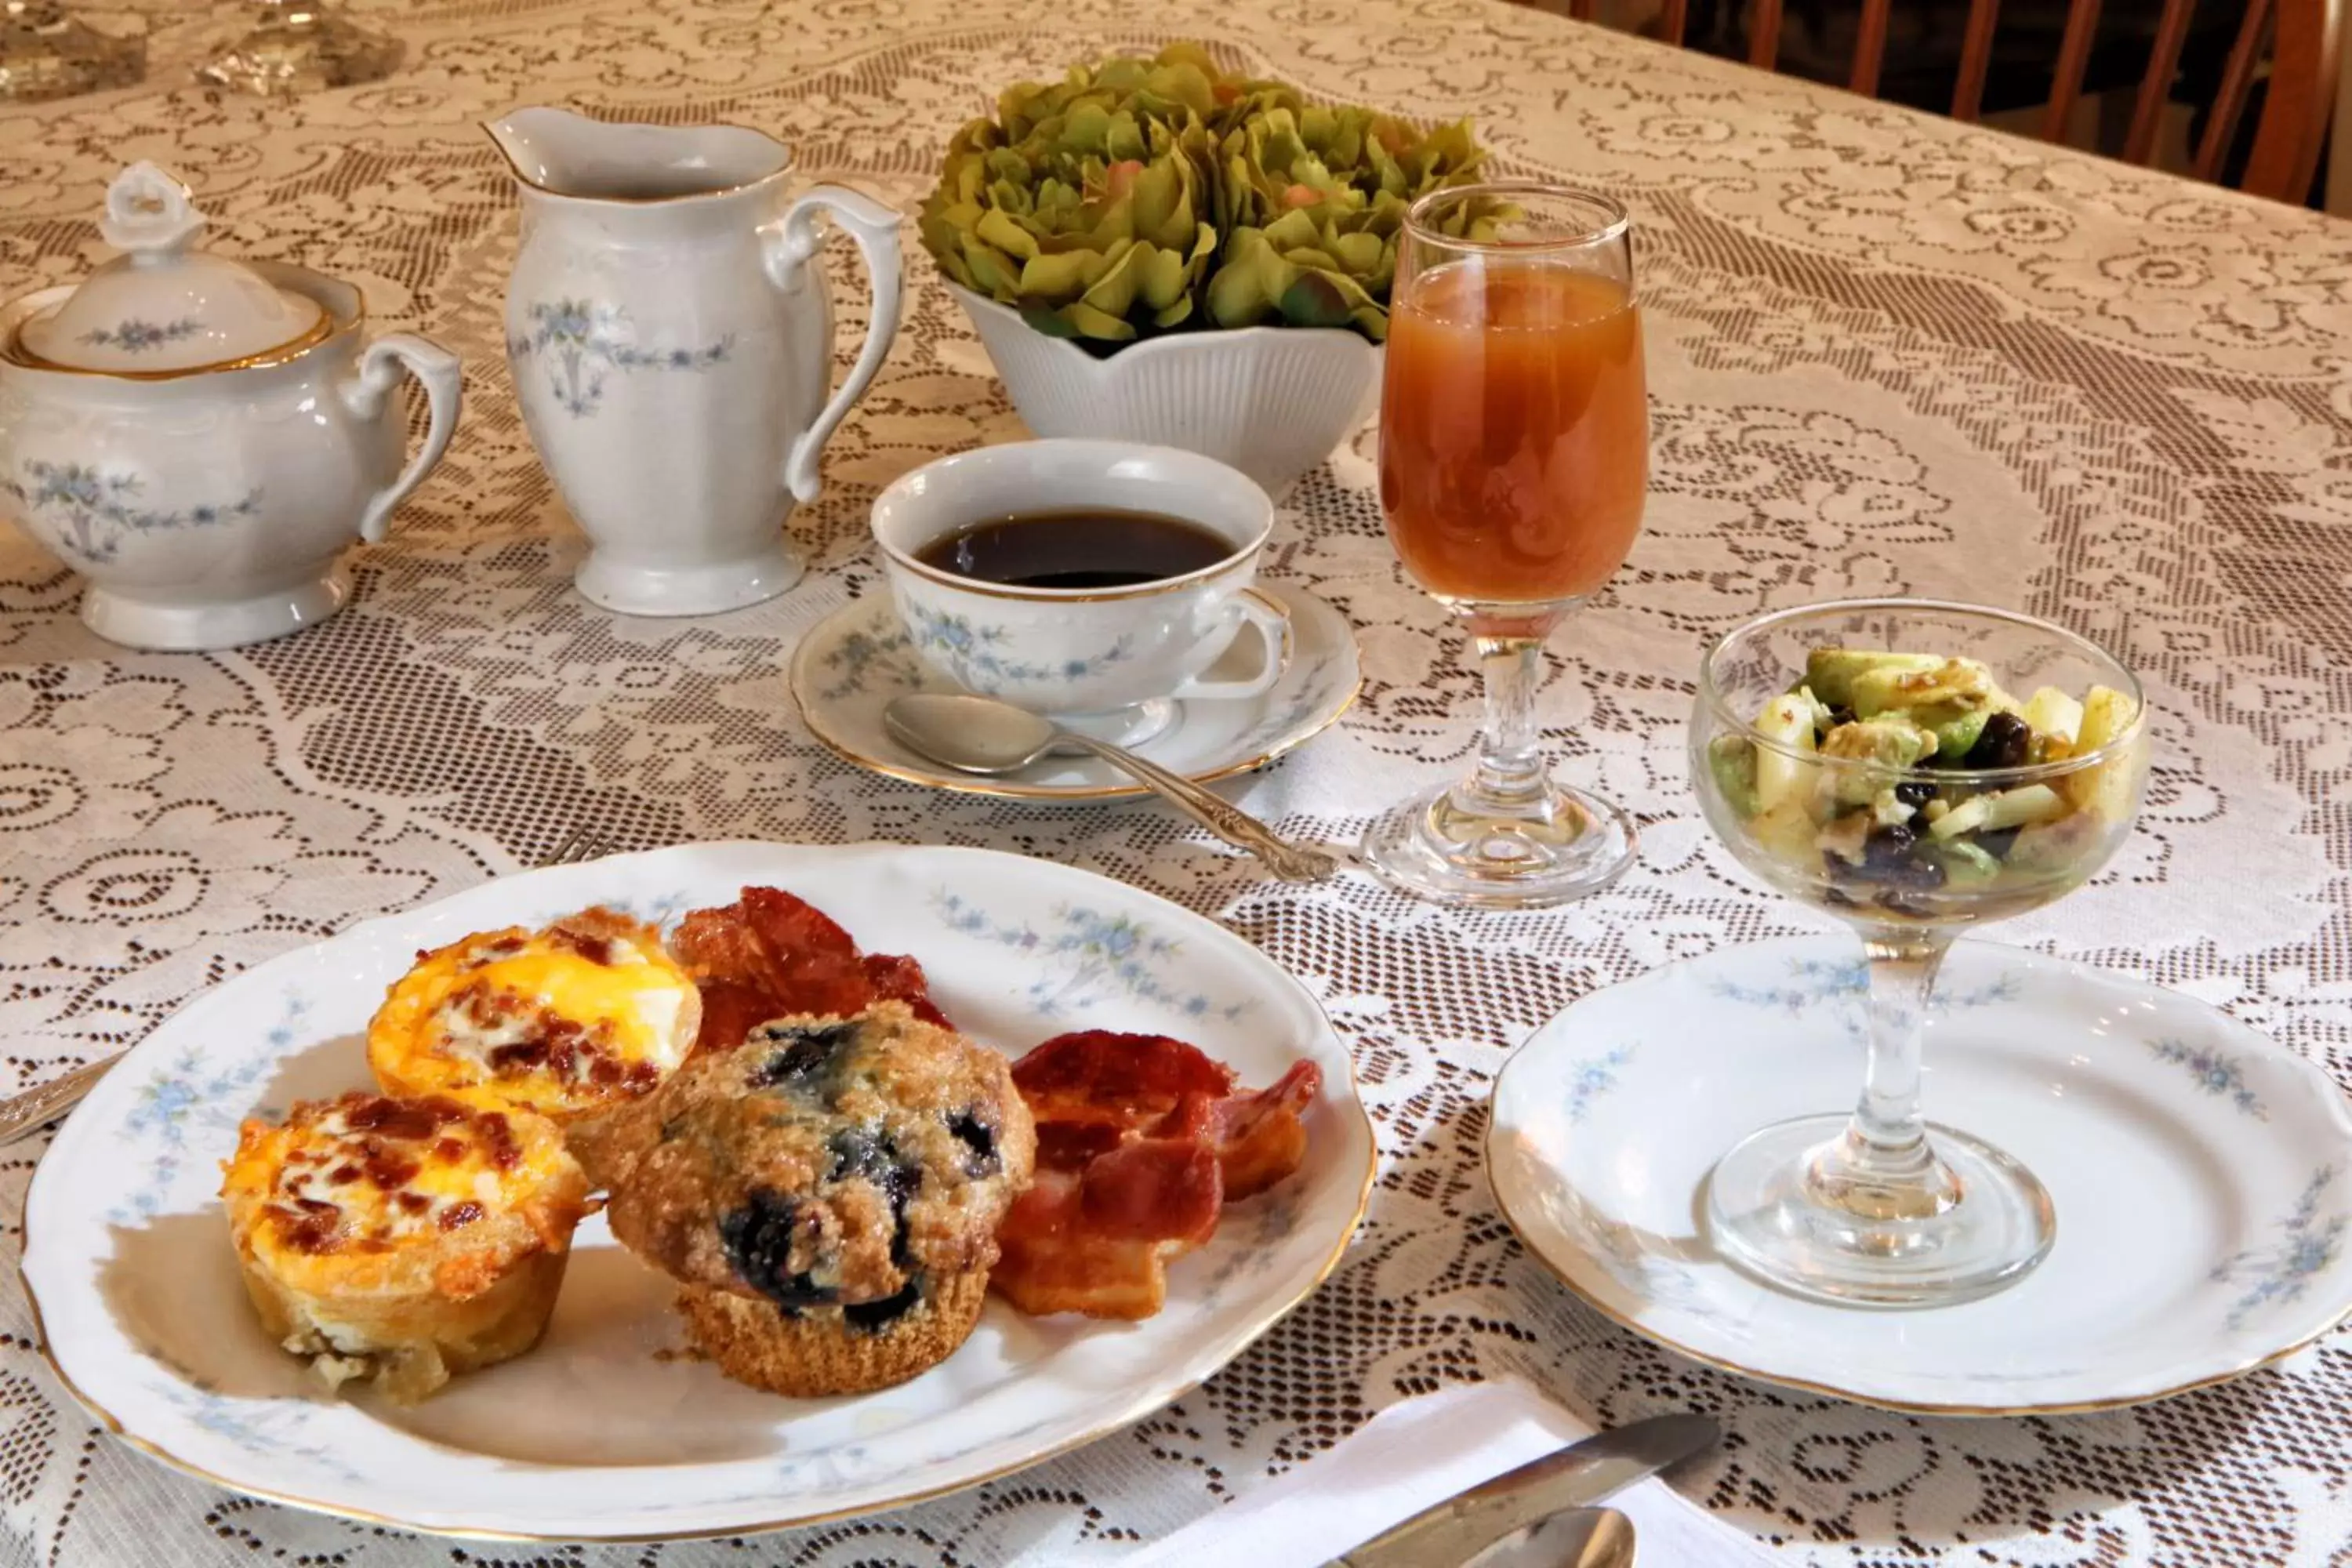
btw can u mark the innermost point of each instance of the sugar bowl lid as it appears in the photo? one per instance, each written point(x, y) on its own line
point(162, 307)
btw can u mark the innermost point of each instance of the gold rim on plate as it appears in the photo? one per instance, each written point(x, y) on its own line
point(1127, 1416)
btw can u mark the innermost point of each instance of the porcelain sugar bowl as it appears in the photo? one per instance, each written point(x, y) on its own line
point(201, 438)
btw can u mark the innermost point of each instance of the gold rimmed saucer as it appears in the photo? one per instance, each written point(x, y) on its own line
point(853, 662)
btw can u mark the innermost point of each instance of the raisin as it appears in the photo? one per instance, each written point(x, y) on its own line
point(457, 1216)
point(1914, 794)
point(979, 1140)
point(758, 1239)
point(799, 1051)
point(2004, 743)
point(1840, 714)
point(1886, 849)
point(872, 1316)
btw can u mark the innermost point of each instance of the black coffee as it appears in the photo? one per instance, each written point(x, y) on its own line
point(1090, 548)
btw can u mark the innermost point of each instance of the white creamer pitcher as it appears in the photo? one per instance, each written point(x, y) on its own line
point(671, 345)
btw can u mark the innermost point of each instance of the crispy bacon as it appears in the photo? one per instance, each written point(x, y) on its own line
point(771, 955)
point(1140, 1139)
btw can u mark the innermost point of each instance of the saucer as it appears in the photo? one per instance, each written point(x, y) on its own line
point(2202, 1175)
point(853, 662)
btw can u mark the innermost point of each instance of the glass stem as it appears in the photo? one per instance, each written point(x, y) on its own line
point(1510, 776)
point(1883, 1167)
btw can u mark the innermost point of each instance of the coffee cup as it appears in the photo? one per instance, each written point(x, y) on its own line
point(1114, 653)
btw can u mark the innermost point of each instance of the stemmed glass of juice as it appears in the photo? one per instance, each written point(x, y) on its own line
point(1515, 444)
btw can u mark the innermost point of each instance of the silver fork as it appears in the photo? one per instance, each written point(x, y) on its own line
point(21, 1115)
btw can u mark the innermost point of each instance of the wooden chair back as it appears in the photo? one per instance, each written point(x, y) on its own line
point(2302, 41)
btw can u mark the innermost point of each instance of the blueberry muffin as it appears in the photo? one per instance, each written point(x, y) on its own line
point(402, 1240)
point(826, 1195)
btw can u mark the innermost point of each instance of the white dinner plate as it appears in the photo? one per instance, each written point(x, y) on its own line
point(595, 1434)
point(2201, 1174)
point(850, 665)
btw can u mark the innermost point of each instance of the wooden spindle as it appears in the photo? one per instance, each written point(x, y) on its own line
point(1676, 20)
point(1869, 48)
point(1976, 58)
point(2156, 87)
point(1764, 45)
point(2074, 58)
point(2230, 102)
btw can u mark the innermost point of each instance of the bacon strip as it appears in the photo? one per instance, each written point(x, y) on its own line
point(1141, 1141)
point(771, 955)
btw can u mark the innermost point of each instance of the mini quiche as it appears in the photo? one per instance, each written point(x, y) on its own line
point(590, 1012)
point(403, 1240)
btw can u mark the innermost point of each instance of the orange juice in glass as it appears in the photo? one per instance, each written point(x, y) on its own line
point(1514, 459)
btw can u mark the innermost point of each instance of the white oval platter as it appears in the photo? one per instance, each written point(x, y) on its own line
point(596, 1434)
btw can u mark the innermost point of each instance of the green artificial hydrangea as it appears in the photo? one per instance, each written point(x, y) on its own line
point(1144, 194)
point(1087, 204)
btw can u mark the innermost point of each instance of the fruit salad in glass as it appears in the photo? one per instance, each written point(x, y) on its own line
point(1874, 758)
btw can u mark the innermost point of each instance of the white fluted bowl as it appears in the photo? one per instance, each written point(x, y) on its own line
point(1270, 401)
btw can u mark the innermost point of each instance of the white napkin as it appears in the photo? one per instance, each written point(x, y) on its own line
point(1419, 1452)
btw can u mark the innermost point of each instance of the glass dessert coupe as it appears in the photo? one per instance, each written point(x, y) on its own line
point(1868, 757)
point(1513, 458)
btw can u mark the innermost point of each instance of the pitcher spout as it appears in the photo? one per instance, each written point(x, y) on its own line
point(559, 153)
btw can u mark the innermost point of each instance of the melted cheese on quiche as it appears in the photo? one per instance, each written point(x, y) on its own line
point(551, 1019)
point(366, 1173)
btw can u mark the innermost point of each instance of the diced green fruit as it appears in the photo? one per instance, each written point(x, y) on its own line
point(1956, 737)
point(1733, 763)
point(2005, 808)
point(2105, 789)
point(1889, 743)
point(1831, 671)
point(2051, 711)
point(1787, 723)
point(2048, 848)
point(1786, 833)
point(1931, 696)
point(1966, 863)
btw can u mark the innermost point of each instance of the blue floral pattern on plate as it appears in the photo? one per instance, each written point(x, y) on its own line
point(89, 512)
point(1589, 1080)
point(2215, 1072)
point(1815, 984)
point(1099, 954)
point(583, 343)
point(135, 336)
point(864, 656)
point(970, 649)
point(2307, 1246)
point(194, 1098)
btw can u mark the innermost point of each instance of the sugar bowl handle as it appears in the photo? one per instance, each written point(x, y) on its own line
point(442, 375)
point(792, 242)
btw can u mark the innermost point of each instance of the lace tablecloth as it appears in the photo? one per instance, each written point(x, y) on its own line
point(1888, 354)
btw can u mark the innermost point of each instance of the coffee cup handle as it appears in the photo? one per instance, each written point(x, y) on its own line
point(792, 243)
point(1271, 620)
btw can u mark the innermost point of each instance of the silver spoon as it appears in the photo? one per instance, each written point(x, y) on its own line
point(981, 735)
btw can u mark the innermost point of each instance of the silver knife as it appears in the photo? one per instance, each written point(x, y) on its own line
point(1456, 1530)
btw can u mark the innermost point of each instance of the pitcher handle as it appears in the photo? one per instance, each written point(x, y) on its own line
point(792, 240)
point(442, 375)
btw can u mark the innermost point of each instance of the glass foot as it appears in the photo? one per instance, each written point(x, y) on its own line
point(1982, 1228)
point(1444, 850)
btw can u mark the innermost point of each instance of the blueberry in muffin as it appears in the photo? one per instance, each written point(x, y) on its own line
point(826, 1195)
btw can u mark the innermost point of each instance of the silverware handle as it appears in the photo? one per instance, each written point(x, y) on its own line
point(1291, 862)
point(26, 1113)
